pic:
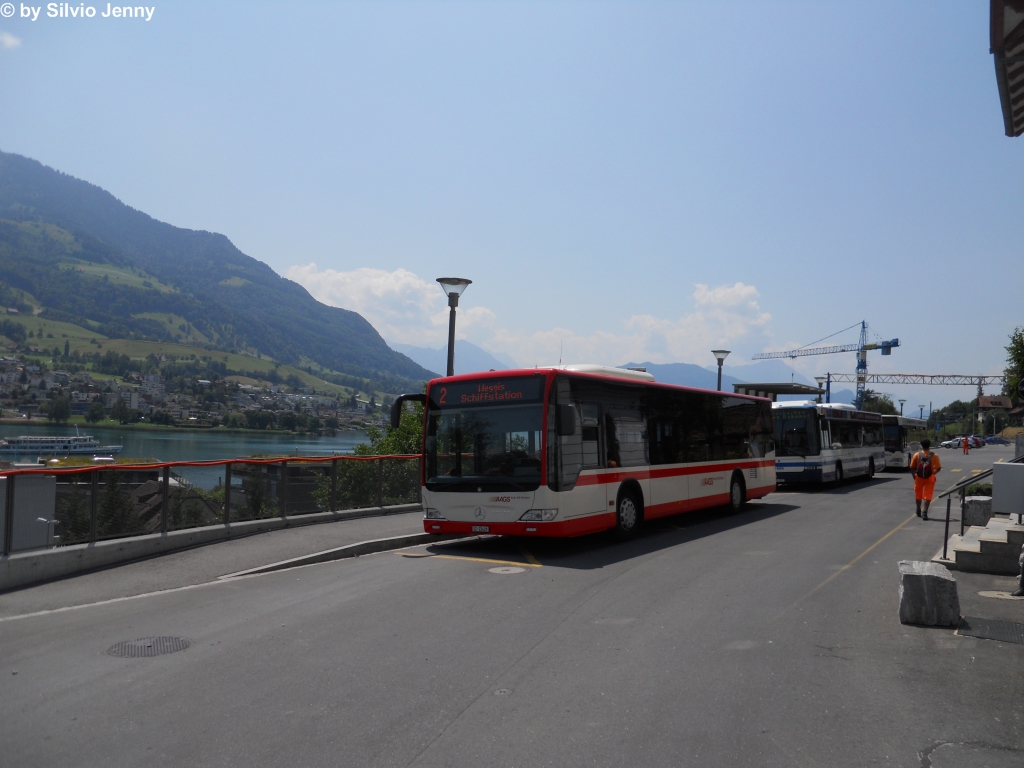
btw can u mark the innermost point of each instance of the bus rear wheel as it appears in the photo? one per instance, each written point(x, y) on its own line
point(737, 493)
point(627, 516)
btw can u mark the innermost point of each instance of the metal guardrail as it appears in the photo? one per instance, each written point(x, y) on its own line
point(75, 505)
point(961, 488)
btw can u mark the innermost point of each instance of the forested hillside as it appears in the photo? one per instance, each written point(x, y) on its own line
point(87, 258)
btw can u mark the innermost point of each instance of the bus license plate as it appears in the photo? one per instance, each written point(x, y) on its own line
point(481, 529)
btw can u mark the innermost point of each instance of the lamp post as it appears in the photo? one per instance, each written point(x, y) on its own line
point(720, 355)
point(821, 385)
point(453, 288)
point(902, 401)
point(921, 415)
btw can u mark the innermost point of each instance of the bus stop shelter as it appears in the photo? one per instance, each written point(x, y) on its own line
point(772, 391)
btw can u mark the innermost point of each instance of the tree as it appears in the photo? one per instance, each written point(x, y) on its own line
point(1014, 362)
point(879, 402)
point(121, 412)
point(59, 410)
point(67, 348)
point(96, 413)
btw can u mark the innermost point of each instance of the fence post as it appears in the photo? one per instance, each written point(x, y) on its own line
point(284, 489)
point(94, 501)
point(165, 502)
point(380, 483)
point(9, 515)
point(963, 503)
point(334, 486)
point(227, 494)
point(945, 536)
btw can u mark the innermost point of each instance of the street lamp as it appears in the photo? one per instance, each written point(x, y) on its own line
point(453, 288)
point(720, 355)
point(921, 415)
point(821, 385)
point(902, 401)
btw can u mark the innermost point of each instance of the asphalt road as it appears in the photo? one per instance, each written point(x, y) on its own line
point(766, 638)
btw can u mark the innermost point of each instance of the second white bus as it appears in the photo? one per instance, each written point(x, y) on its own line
point(903, 436)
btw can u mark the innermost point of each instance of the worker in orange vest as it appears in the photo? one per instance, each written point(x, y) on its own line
point(925, 465)
point(967, 446)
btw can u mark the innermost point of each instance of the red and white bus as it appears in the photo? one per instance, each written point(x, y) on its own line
point(571, 450)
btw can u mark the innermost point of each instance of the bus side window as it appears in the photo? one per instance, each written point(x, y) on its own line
point(590, 431)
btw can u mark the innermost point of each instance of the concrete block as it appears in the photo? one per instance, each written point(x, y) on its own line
point(977, 510)
point(928, 595)
point(1008, 488)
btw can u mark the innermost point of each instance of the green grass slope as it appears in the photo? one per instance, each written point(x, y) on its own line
point(88, 257)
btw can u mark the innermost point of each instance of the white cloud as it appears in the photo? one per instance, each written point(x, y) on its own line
point(403, 307)
point(8, 41)
point(406, 309)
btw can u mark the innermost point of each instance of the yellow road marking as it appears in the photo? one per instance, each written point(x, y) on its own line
point(529, 558)
point(956, 470)
point(473, 559)
point(854, 561)
point(998, 461)
point(976, 471)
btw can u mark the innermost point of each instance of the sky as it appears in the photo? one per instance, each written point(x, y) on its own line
point(637, 181)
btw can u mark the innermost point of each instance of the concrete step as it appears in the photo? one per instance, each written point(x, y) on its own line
point(994, 548)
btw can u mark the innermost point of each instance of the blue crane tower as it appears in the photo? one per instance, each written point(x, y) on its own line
point(861, 348)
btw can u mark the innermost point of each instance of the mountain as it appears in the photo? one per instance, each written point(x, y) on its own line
point(469, 358)
point(59, 236)
point(689, 375)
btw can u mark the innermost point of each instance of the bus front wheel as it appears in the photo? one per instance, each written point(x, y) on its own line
point(627, 518)
point(737, 494)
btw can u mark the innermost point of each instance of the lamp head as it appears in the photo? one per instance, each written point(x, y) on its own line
point(720, 354)
point(820, 380)
point(454, 285)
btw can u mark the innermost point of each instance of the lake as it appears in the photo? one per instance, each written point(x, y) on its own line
point(201, 445)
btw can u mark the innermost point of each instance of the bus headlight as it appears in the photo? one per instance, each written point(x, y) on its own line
point(432, 514)
point(539, 515)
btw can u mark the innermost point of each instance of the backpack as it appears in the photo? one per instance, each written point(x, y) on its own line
point(924, 466)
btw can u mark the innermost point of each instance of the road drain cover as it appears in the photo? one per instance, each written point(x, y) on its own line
point(992, 629)
point(148, 646)
point(504, 570)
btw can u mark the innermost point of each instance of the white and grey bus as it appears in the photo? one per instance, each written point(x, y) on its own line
point(824, 442)
point(903, 436)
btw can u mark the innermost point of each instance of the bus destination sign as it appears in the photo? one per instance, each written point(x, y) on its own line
point(511, 391)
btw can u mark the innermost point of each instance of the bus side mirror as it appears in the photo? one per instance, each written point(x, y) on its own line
point(396, 407)
point(566, 420)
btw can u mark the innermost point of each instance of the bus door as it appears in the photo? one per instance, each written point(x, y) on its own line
point(588, 497)
point(670, 489)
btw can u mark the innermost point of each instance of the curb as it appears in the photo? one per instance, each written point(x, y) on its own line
point(349, 550)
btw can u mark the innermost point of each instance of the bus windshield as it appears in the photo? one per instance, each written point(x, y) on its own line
point(484, 448)
point(794, 432)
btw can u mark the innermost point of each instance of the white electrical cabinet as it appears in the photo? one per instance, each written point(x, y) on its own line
point(1008, 489)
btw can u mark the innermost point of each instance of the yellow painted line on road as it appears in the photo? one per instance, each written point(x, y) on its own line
point(529, 558)
point(956, 470)
point(855, 560)
point(473, 559)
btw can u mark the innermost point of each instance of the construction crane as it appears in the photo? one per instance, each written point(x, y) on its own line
point(861, 348)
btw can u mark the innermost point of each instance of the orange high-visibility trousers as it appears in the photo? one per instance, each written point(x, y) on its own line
point(924, 488)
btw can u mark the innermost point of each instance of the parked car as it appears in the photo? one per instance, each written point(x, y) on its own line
point(951, 443)
point(997, 440)
point(977, 442)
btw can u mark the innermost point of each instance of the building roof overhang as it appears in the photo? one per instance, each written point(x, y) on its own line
point(1007, 46)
